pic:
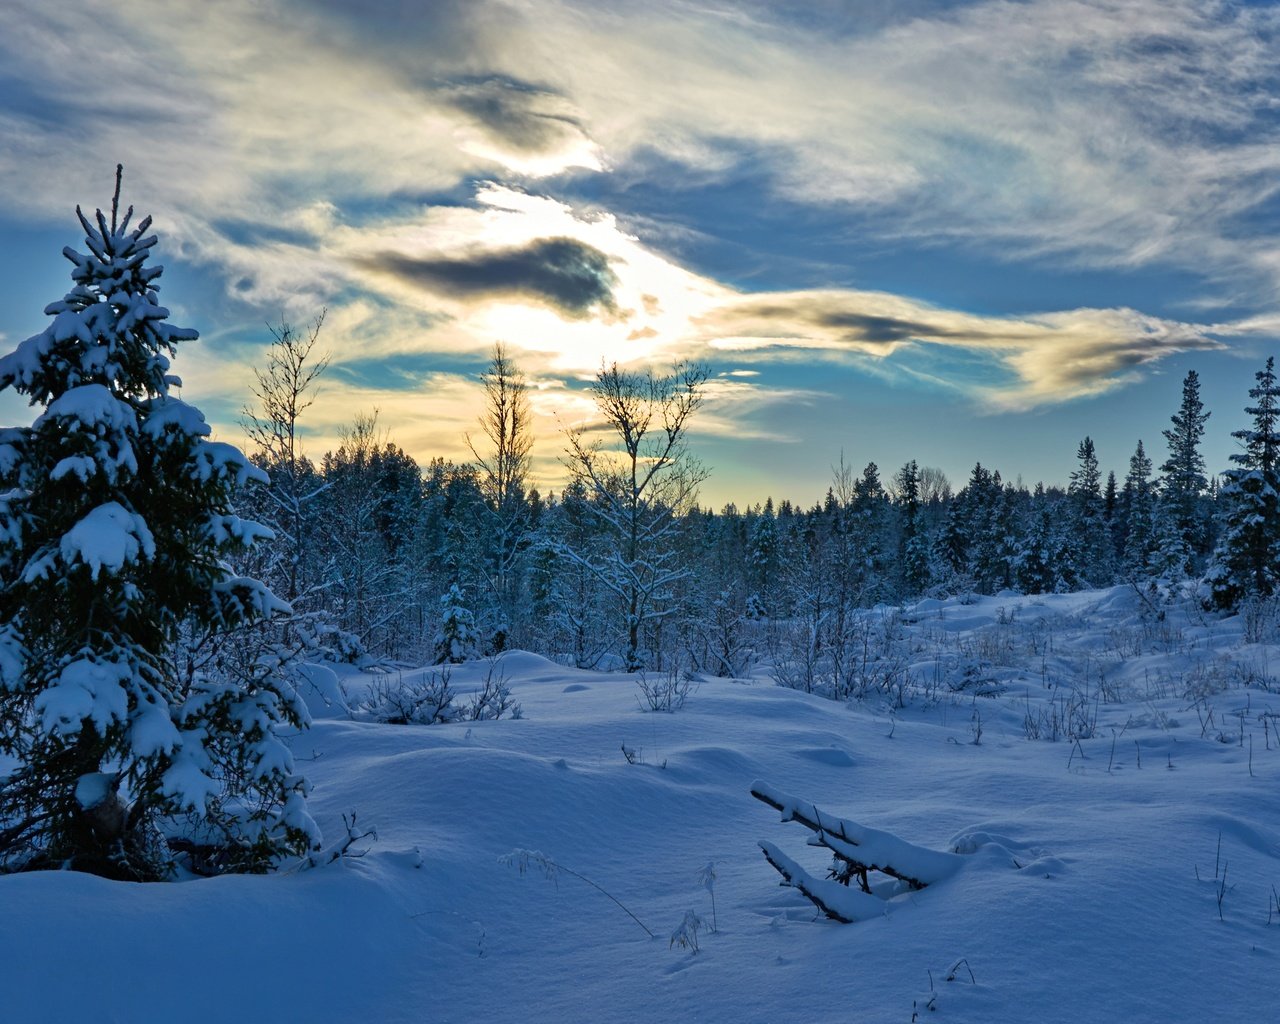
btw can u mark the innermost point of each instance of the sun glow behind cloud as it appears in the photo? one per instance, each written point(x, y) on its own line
point(419, 169)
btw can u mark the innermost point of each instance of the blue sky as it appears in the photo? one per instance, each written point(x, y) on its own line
point(942, 231)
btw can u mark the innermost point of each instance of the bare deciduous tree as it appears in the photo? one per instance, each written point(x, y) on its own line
point(284, 389)
point(504, 472)
point(640, 486)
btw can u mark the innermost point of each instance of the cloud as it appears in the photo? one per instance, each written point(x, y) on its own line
point(529, 129)
point(568, 275)
point(1110, 133)
point(740, 409)
point(514, 114)
point(1107, 133)
point(1129, 133)
point(1047, 358)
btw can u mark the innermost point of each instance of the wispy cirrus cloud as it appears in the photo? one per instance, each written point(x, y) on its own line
point(451, 174)
point(1113, 132)
point(1048, 357)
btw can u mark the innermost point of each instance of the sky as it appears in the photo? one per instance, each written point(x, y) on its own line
point(949, 232)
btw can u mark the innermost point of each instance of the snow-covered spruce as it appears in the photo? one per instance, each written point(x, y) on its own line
point(457, 640)
point(1248, 553)
point(116, 515)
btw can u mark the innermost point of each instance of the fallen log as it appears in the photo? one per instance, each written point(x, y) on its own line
point(862, 849)
point(838, 902)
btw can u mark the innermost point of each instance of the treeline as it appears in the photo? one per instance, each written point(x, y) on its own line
point(382, 559)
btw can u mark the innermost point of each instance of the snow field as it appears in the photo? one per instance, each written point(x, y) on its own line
point(1077, 900)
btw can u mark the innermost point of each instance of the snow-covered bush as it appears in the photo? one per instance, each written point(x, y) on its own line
point(325, 641)
point(864, 656)
point(431, 699)
point(423, 701)
point(1260, 618)
point(665, 691)
point(115, 518)
point(493, 699)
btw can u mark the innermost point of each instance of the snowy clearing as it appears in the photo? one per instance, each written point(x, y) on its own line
point(1085, 888)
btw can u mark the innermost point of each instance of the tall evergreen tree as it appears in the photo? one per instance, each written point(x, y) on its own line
point(763, 552)
point(1247, 561)
point(984, 522)
point(1115, 511)
point(1184, 478)
point(1033, 562)
point(370, 517)
point(956, 539)
point(116, 518)
point(1093, 538)
point(868, 528)
point(1139, 542)
point(913, 545)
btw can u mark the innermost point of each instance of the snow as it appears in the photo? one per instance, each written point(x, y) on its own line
point(93, 788)
point(867, 846)
point(219, 460)
point(108, 537)
point(1084, 886)
point(151, 730)
point(92, 407)
point(230, 529)
point(168, 413)
point(80, 466)
point(12, 658)
point(85, 688)
point(11, 440)
point(186, 780)
point(321, 691)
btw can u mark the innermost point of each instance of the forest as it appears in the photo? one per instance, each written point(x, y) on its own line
point(623, 568)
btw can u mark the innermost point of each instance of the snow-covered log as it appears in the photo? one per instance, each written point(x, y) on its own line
point(862, 849)
point(838, 902)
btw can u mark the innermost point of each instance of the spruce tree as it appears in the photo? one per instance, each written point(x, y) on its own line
point(868, 527)
point(1033, 562)
point(457, 640)
point(1247, 561)
point(762, 561)
point(1139, 543)
point(1093, 538)
point(1115, 512)
point(116, 516)
point(1184, 471)
point(913, 545)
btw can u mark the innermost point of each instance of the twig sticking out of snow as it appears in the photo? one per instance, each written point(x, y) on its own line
point(686, 936)
point(522, 860)
point(342, 848)
point(707, 879)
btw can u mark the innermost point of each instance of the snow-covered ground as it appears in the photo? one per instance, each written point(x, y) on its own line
point(1085, 891)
